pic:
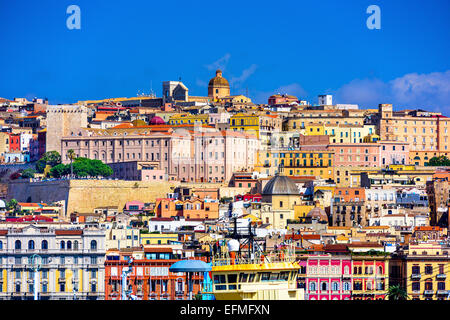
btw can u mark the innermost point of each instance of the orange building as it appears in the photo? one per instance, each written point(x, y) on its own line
point(350, 194)
point(150, 278)
point(190, 209)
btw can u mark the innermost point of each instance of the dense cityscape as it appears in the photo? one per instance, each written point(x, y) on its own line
point(184, 197)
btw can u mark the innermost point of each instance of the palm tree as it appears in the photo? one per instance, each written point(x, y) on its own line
point(71, 156)
point(396, 293)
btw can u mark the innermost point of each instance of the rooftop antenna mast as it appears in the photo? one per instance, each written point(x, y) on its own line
point(152, 94)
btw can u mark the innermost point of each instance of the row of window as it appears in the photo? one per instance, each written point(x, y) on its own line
point(44, 245)
point(45, 260)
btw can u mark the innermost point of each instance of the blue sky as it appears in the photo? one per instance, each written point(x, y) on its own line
point(304, 48)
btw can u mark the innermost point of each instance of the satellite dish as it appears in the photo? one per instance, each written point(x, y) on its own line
point(233, 245)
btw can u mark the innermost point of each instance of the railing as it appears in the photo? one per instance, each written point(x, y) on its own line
point(258, 258)
point(416, 276)
point(441, 276)
point(428, 292)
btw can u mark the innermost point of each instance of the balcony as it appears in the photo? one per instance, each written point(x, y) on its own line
point(428, 292)
point(442, 292)
point(416, 276)
point(441, 276)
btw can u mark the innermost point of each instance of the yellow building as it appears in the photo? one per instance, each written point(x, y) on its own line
point(314, 130)
point(421, 158)
point(349, 133)
point(187, 118)
point(305, 163)
point(424, 271)
point(237, 99)
point(301, 210)
point(158, 238)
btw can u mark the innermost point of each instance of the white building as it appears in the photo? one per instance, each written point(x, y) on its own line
point(71, 263)
point(325, 100)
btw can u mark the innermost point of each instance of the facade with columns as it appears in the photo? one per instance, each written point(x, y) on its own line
point(71, 264)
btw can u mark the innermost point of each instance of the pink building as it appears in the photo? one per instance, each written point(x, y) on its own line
point(394, 152)
point(134, 207)
point(356, 154)
point(328, 277)
point(184, 155)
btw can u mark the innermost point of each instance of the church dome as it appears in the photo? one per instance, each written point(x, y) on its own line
point(318, 213)
point(280, 185)
point(157, 121)
point(218, 80)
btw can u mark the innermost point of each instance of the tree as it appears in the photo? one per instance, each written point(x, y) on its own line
point(71, 156)
point(12, 204)
point(59, 170)
point(82, 167)
point(28, 173)
point(438, 161)
point(51, 158)
point(396, 293)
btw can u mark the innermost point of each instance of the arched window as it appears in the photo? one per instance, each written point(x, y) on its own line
point(18, 245)
point(93, 245)
point(324, 286)
point(312, 286)
point(346, 270)
point(31, 245)
point(62, 245)
point(335, 286)
point(369, 285)
point(346, 286)
point(69, 245)
point(44, 245)
point(380, 270)
point(75, 245)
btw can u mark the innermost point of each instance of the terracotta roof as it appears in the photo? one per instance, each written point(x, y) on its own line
point(336, 248)
point(427, 228)
point(364, 244)
point(157, 249)
point(68, 232)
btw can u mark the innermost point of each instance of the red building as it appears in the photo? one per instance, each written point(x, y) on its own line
point(281, 99)
point(150, 278)
point(14, 142)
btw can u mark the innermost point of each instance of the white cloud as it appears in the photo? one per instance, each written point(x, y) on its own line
point(221, 63)
point(201, 83)
point(427, 91)
point(244, 75)
point(423, 90)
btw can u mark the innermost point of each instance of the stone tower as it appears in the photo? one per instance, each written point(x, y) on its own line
point(64, 120)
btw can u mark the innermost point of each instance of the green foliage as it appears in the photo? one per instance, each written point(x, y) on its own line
point(58, 170)
point(439, 161)
point(11, 204)
point(83, 167)
point(396, 293)
point(371, 252)
point(51, 158)
point(28, 173)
